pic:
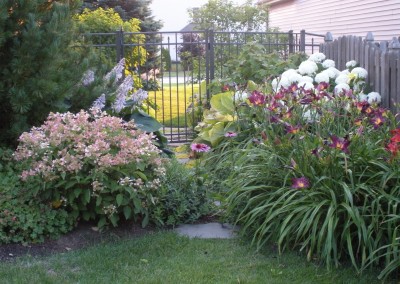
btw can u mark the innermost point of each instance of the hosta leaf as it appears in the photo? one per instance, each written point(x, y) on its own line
point(223, 103)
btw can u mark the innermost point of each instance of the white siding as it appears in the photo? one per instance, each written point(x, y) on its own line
point(340, 17)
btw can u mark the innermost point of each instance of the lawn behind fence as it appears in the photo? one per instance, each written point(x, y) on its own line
point(172, 102)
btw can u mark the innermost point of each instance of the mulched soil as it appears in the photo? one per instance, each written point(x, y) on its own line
point(84, 235)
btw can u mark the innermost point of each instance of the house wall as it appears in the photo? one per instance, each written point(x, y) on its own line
point(340, 17)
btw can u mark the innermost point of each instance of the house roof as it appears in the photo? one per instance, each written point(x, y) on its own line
point(270, 2)
point(189, 28)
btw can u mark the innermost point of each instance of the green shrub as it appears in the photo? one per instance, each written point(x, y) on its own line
point(254, 63)
point(182, 197)
point(95, 165)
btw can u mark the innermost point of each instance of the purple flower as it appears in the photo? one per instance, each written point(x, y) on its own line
point(300, 183)
point(257, 98)
point(377, 120)
point(230, 134)
point(316, 151)
point(200, 147)
point(340, 143)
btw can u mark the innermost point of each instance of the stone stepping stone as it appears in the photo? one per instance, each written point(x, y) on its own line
point(207, 231)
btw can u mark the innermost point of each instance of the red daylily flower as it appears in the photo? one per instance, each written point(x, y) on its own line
point(396, 135)
point(393, 148)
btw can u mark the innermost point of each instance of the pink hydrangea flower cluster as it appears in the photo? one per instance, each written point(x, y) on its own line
point(86, 142)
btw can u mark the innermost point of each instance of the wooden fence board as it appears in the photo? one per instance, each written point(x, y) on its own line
point(385, 79)
point(382, 64)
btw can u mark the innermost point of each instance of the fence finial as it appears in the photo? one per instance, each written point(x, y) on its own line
point(369, 37)
point(394, 44)
point(328, 37)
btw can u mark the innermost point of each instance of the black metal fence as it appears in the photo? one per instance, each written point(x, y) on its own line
point(176, 68)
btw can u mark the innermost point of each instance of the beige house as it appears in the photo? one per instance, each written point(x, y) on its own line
point(340, 17)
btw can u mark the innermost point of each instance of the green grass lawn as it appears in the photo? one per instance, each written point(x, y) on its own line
point(172, 102)
point(164, 257)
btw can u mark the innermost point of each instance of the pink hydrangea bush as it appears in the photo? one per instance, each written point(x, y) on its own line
point(95, 165)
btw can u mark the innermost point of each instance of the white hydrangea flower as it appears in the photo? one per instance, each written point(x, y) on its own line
point(306, 85)
point(351, 63)
point(359, 72)
point(341, 87)
point(328, 63)
point(322, 77)
point(277, 83)
point(274, 84)
point(345, 72)
point(342, 79)
point(374, 97)
point(308, 67)
point(332, 72)
point(317, 57)
point(284, 82)
point(288, 72)
point(292, 76)
point(242, 96)
point(306, 79)
point(362, 97)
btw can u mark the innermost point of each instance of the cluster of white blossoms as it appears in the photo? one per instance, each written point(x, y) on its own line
point(124, 92)
point(318, 69)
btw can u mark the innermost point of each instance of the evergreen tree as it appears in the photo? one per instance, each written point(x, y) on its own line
point(39, 67)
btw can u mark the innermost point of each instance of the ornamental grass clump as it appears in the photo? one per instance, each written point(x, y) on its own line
point(94, 165)
point(319, 170)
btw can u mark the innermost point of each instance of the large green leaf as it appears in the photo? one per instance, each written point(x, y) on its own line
point(223, 103)
point(145, 122)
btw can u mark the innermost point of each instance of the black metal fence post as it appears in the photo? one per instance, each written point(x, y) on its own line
point(291, 42)
point(210, 58)
point(302, 46)
point(119, 44)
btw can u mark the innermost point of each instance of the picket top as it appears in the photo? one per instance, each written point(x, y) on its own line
point(380, 59)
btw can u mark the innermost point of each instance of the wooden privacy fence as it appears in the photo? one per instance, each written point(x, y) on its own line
point(380, 59)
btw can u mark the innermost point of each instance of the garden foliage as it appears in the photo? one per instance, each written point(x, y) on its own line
point(25, 219)
point(314, 166)
point(39, 67)
point(108, 21)
point(182, 198)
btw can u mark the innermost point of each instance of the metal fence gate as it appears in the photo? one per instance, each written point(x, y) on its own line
point(176, 68)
